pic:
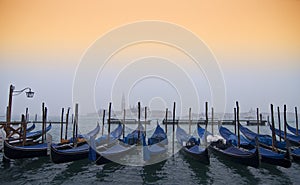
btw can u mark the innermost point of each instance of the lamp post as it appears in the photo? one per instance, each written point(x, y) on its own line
point(12, 92)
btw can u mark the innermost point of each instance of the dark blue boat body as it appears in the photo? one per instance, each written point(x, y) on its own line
point(267, 156)
point(16, 151)
point(201, 131)
point(190, 146)
point(159, 136)
point(293, 139)
point(19, 152)
point(115, 134)
point(156, 145)
point(233, 139)
point(31, 128)
point(292, 129)
point(135, 136)
point(263, 139)
point(61, 153)
point(128, 142)
point(295, 152)
point(69, 153)
point(234, 154)
point(37, 134)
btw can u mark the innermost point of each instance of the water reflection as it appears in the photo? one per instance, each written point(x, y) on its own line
point(107, 169)
point(234, 169)
point(153, 173)
point(200, 170)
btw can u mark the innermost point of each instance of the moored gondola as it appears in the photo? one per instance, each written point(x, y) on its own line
point(157, 145)
point(190, 146)
point(16, 149)
point(34, 135)
point(267, 156)
point(31, 128)
point(12, 151)
point(235, 154)
point(61, 153)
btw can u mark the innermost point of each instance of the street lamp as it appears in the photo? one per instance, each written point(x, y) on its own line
point(29, 93)
point(12, 92)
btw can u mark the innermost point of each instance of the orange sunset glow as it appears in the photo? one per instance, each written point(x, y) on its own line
point(259, 36)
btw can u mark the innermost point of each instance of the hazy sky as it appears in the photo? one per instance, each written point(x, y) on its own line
point(256, 44)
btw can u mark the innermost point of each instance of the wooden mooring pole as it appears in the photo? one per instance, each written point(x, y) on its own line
point(124, 116)
point(166, 121)
point(77, 121)
point(212, 121)
point(109, 117)
point(145, 121)
point(257, 118)
point(67, 122)
point(62, 124)
point(43, 119)
point(234, 110)
point(296, 114)
point(273, 128)
point(9, 108)
point(139, 122)
point(238, 122)
point(206, 115)
point(103, 120)
point(26, 114)
point(173, 136)
point(284, 121)
point(75, 126)
point(260, 118)
point(24, 126)
point(279, 123)
point(190, 121)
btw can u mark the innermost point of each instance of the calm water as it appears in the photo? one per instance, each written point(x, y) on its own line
point(175, 170)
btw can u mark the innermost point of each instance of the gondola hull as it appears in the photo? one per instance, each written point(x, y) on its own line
point(248, 160)
point(278, 162)
point(19, 152)
point(108, 155)
point(61, 153)
point(68, 155)
point(190, 146)
point(37, 134)
point(295, 153)
point(296, 158)
point(201, 157)
point(267, 155)
point(102, 160)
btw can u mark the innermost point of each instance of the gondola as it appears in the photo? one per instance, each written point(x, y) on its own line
point(113, 153)
point(31, 128)
point(110, 153)
point(190, 146)
point(135, 136)
point(156, 145)
point(264, 140)
point(15, 150)
point(34, 135)
point(293, 139)
point(113, 137)
point(209, 136)
point(235, 154)
point(61, 153)
point(18, 152)
point(292, 129)
point(267, 156)
point(233, 139)
point(201, 131)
